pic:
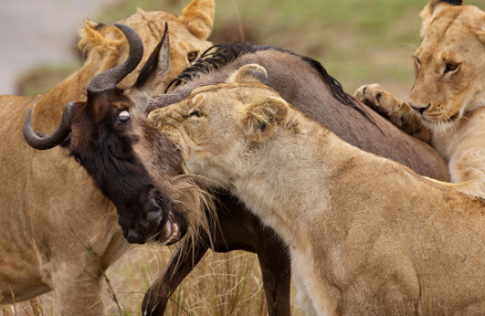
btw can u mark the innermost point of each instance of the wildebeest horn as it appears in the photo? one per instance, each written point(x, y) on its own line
point(110, 78)
point(48, 142)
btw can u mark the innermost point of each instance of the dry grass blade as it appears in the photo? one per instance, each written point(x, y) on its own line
point(221, 284)
point(110, 290)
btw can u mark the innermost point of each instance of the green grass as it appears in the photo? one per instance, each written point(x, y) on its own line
point(42, 78)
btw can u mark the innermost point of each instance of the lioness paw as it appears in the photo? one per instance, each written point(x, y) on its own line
point(376, 98)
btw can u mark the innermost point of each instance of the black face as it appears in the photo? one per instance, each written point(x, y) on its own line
point(101, 133)
point(102, 142)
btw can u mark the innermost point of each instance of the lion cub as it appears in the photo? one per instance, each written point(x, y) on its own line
point(366, 235)
point(446, 104)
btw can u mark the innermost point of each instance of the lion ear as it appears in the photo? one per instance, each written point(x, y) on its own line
point(249, 73)
point(198, 16)
point(260, 120)
point(432, 9)
point(92, 37)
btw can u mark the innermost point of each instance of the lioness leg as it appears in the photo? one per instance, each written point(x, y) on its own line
point(78, 289)
point(394, 109)
point(181, 264)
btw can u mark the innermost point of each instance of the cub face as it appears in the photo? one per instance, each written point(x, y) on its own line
point(217, 127)
point(449, 63)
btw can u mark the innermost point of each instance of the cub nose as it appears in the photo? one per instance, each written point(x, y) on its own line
point(418, 108)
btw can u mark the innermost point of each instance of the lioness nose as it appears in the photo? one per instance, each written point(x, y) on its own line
point(419, 108)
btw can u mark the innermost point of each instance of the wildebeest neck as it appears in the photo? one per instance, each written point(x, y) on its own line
point(304, 86)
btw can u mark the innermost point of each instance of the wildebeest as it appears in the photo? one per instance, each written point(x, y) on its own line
point(49, 206)
point(305, 83)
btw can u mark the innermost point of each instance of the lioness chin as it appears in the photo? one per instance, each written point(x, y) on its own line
point(367, 236)
point(446, 104)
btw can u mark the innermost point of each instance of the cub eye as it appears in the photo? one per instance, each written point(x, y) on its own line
point(418, 61)
point(451, 67)
point(192, 56)
point(124, 116)
point(195, 113)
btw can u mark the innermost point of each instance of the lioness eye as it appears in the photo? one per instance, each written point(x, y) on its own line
point(124, 116)
point(192, 56)
point(451, 67)
point(418, 61)
point(195, 113)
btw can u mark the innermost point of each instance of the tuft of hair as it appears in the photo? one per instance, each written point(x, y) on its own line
point(200, 211)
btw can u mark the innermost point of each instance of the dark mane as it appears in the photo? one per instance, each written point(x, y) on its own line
point(221, 55)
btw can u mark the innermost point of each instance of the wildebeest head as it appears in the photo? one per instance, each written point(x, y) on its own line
point(130, 161)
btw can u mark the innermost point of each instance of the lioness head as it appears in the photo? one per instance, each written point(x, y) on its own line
point(449, 62)
point(226, 120)
point(107, 47)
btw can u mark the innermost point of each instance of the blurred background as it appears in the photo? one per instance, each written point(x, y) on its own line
point(358, 41)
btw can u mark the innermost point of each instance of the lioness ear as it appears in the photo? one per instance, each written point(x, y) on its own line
point(199, 16)
point(432, 9)
point(92, 37)
point(261, 119)
point(249, 73)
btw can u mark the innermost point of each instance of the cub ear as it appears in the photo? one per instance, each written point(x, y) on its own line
point(249, 73)
point(260, 120)
point(198, 16)
point(432, 9)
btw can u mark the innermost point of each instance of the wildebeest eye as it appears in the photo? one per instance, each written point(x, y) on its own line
point(124, 116)
point(192, 56)
point(195, 113)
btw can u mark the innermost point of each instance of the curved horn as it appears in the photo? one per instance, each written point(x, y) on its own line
point(110, 78)
point(48, 142)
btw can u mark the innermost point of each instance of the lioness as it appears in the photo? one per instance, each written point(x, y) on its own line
point(49, 207)
point(446, 104)
point(366, 235)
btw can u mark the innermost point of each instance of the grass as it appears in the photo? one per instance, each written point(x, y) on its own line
point(42, 78)
point(221, 285)
point(358, 41)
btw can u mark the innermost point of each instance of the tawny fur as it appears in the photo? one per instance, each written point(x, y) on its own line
point(48, 204)
point(449, 90)
point(367, 236)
